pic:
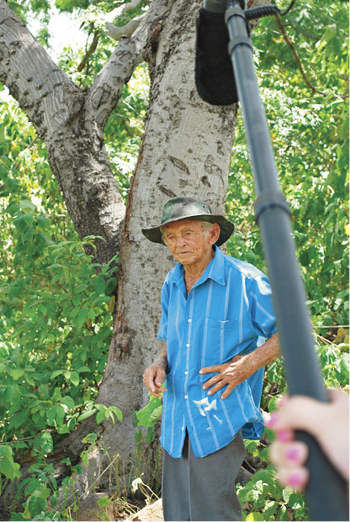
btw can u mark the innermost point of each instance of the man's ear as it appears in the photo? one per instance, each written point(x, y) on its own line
point(214, 233)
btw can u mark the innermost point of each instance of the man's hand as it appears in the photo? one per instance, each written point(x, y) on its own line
point(241, 367)
point(153, 378)
point(154, 375)
point(229, 374)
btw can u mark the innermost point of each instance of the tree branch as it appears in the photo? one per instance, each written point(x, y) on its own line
point(33, 79)
point(296, 55)
point(126, 30)
point(302, 32)
point(123, 9)
point(90, 51)
point(104, 94)
point(73, 138)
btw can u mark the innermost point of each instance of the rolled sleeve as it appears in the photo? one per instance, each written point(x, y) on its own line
point(261, 307)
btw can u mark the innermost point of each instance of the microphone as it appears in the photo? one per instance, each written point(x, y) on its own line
point(214, 76)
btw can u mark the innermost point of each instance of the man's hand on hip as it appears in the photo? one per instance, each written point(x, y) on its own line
point(241, 367)
point(229, 374)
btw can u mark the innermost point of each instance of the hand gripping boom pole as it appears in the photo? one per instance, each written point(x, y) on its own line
point(326, 494)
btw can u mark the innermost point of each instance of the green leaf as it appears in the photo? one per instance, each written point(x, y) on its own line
point(255, 516)
point(117, 411)
point(19, 418)
point(68, 401)
point(51, 415)
point(282, 513)
point(111, 284)
point(63, 429)
point(83, 369)
point(82, 317)
point(99, 285)
point(100, 416)
point(74, 378)
point(149, 415)
point(43, 443)
point(103, 502)
point(56, 373)
point(16, 374)
point(27, 205)
point(84, 455)
point(9, 468)
point(33, 485)
point(60, 414)
point(86, 414)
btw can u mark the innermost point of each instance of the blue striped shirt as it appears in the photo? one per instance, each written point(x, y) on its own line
point(227, 312)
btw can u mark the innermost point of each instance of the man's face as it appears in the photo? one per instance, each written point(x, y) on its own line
point(188, 242)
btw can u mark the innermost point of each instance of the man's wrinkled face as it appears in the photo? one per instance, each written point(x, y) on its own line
point(189, 241)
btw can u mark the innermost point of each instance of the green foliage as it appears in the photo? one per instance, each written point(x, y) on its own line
point(149, 415)
point(57, 303)
point(264, 499)
point(56, 317)
point(41, 490)
point(309, 131)
point(8, 467)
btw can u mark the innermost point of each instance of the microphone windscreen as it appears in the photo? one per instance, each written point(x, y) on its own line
point(213, 70)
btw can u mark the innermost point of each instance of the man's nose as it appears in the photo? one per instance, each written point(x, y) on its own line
point(180, 240)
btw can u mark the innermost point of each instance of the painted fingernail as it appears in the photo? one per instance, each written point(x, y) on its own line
point(273, 419)
point(296, 480)
point(284, 436)
point(293, 454)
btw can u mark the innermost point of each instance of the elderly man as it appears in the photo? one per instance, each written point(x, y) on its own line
point(218, 328)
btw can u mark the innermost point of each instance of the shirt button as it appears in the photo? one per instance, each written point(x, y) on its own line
point(189, 320)
point(186, 372)
point(187, 345)
point(186, 396)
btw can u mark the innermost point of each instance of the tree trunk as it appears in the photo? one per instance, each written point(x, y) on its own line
point(186, 150)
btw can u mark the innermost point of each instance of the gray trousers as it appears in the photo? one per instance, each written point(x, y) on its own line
point(202, 489)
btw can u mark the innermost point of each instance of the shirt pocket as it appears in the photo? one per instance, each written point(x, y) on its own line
point(223, 340)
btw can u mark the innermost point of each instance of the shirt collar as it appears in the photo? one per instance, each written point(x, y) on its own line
point(215, 270)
